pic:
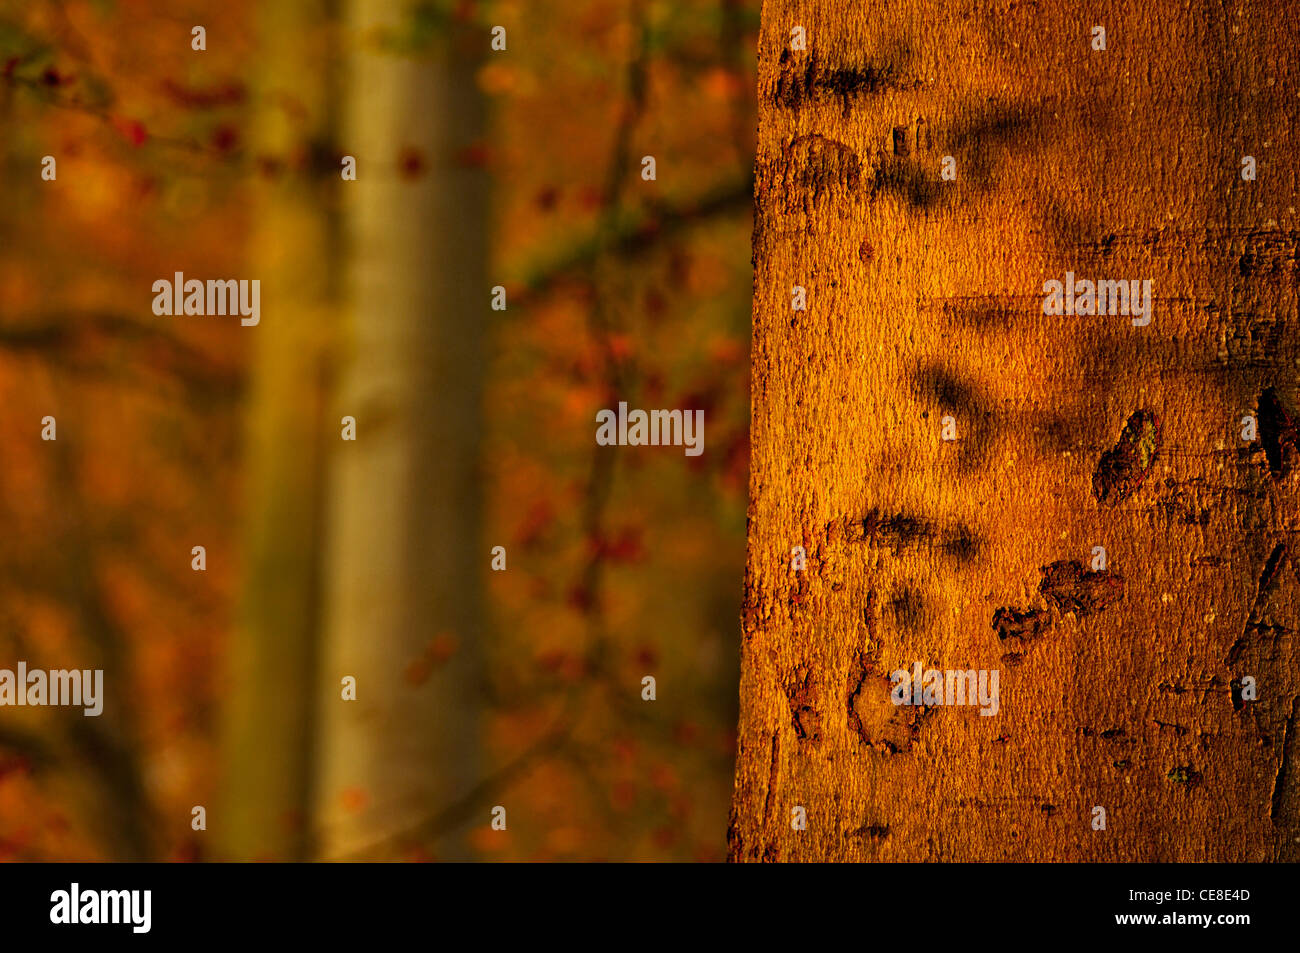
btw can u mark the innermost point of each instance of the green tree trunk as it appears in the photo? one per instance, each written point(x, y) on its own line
point(265, 799)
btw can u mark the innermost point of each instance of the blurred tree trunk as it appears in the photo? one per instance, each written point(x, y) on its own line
point(265, 798)
point(1119, 689)
point(405, 555)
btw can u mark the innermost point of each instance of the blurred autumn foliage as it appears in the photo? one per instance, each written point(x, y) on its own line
point(622, 562)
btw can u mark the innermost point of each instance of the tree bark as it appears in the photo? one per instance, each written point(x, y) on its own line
point(1119, 688)
point(405, 555)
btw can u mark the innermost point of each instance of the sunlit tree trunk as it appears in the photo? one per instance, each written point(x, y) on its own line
point(1121, 688)
point(265, 802)
point(405, 558)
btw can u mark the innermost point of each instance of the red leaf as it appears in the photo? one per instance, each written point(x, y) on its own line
point(132, 130)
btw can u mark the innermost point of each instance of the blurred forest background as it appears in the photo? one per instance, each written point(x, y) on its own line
point(475, 428)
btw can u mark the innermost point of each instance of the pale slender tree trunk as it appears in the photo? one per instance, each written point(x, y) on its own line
point(265, 800)
point(1119, 689)
point(403, 612)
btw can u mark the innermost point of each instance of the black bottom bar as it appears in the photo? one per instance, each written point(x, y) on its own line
point(895, 905)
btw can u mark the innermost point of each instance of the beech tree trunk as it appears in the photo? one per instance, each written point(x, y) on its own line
point(1125, 688)
point(403, 612)
point(265, 801)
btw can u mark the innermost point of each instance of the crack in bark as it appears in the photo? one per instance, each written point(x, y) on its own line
point(1254, 622)
point(1284, 763)
point(771, 777)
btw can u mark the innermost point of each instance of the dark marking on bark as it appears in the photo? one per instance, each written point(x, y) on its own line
point(1112, 733)
point(1012, 658)
point(866, 252)
point(1184, 774)
point(1178, 729)
point(803, 712)
point(990, 312)
point(1284, 765)
point(1271, 567)
point(897, 530)
point(901, 147)
point(1123, 469)
point(998, 125)
point(904, 531)
point(1278, 434)
point(986, 132)
point(1054, 433)
point(815, 168)
point(1048, 809)
point(803, 80)
point(1235, 651)
point(961, 543)
point(907, 604)
point(873, 831)
point(1069, 587)
point(909, 180)
point(1254, 263)
point(952, 394)
point(771, 777)
point(1024, 625)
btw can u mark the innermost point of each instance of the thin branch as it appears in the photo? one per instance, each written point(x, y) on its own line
point(460, 810)
point(629, 239)
point(29, 745)
point(49, 335)
point(44, 95)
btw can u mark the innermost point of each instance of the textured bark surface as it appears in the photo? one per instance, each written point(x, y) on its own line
point(1119, 690)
